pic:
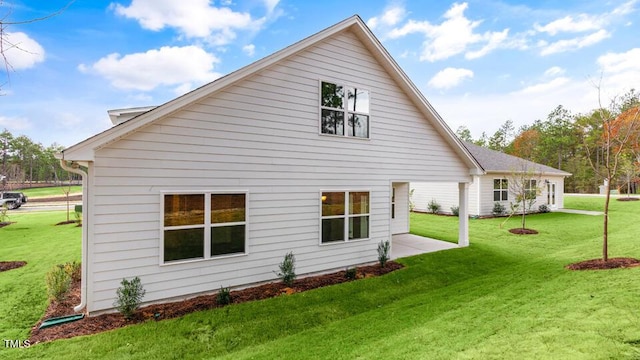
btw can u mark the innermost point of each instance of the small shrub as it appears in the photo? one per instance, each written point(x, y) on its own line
point(129, 294)
point(58, 282)
point(543, 208)
point(287, 269)
point(412, 205)
point(4, 217)
point(455, 210)
point(383, 252)
point(433, 206)
point(351, 273)
point(498, 209)
point(224, 296)
point(73, 270)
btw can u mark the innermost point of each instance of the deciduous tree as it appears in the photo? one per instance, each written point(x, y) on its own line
point(619, 124)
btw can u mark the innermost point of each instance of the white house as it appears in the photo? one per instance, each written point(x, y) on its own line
point(309, 150)
point(493, 185)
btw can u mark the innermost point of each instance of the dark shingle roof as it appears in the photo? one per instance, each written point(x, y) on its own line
point(495, 161)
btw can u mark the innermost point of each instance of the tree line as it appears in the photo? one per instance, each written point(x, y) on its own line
point(25, 162)
point(575, 143)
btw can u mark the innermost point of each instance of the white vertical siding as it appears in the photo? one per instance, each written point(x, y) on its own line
point(261, 136)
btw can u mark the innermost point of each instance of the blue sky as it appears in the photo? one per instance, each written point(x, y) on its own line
point(479, 63)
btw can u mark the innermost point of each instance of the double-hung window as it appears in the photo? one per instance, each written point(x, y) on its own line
point(344, 110)
point(531, 189)
point(203, 225)
point(345, 216)
point(500, 190)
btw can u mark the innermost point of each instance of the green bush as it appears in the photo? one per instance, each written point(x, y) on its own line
point(4, 217)
point(73, 268)
point(287, 269)
point(224, 296)
point(129, 294)
point(433, 207)
point(498, 209)
point(383, 252)
point(455, 210)
point(351, 273)
point(58, 282)
point(543, 208)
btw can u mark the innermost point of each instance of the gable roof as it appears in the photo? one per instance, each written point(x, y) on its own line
point(84, 151)
point(496, 161)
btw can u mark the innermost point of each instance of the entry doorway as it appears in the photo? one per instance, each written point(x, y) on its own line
point(399, 208)
point(551, 195)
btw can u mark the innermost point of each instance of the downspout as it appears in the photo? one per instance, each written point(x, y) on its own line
point(74, 167)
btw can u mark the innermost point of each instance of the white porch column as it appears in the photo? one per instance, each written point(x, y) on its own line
point(463, 214)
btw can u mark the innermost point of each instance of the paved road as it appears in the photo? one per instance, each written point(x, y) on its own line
point(45, 206)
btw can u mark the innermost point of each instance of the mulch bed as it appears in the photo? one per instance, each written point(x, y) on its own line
point(5, 223)
point(599, 264)
point(9, 265)
point(628, 199)
point(67, 222)
point(521, 231)
point(100, 323)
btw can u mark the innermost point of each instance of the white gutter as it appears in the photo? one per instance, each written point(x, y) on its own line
point(75, 168)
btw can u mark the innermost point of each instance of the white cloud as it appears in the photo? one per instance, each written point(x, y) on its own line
point(620, 71)
point(68, 120)
point(390, 17)
point(450, 77)
point(486, 111)
point(455, 35)
point(618, 62)
point(168, 66)
point(582, 23)
point(21, 51)
point(625, 8)
point(554, 71)
point(595, 25)
point(494, 40)
point(271, 5)
point(15, 123)
point(192, 18)
point(250, 49)
point(575, 43)
point(544, 87)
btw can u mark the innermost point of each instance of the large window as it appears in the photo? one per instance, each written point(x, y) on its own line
point(344, 110)
point(204, 225)
point(345, 216)
point(500, 190)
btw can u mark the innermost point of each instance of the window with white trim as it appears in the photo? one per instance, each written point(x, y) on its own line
point(531, 189)
point(345, 216)
point(203, 225)
point(344, 110)
point(500, 190)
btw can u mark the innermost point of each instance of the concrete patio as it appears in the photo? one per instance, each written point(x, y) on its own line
point(403, 245)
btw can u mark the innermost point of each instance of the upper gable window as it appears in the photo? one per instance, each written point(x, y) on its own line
point(344, 110)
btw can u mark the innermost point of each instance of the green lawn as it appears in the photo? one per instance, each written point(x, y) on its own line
point(504, 297)
point(51, 191)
